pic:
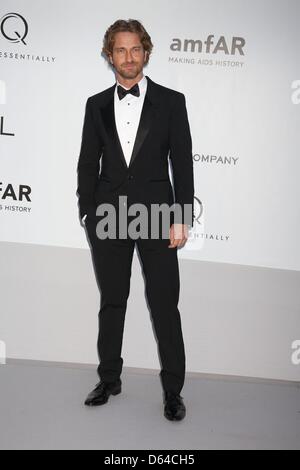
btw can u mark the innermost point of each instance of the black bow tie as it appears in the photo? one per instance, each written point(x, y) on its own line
point(133, 90)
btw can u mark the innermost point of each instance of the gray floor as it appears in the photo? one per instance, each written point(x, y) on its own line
point(41, 407)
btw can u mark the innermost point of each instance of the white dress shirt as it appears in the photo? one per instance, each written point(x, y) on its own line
point(127, 114)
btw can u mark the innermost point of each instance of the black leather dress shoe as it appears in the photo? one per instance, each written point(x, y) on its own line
point(174, 408)
point(100, 395)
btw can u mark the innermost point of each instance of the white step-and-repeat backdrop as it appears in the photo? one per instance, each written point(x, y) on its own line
point(237, 63)
point(239, 71)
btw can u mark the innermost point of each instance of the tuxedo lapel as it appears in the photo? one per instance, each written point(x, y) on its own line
point(147, 118)
point(148, 114)
point(108, 117)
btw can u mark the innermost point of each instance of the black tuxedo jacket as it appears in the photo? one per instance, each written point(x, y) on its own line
point(163, 132)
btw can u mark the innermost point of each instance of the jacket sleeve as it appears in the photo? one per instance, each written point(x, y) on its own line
point(182, 160)
point(89, 162)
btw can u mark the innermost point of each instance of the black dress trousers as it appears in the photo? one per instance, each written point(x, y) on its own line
point(112, 260)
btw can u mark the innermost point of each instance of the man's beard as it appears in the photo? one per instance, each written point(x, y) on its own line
point(129, 73)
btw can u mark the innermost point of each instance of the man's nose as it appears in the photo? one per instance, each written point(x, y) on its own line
point(128, 56)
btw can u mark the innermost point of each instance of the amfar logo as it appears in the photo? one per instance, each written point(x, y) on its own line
point(14, 27)
point(17, 193)
point(234, 46)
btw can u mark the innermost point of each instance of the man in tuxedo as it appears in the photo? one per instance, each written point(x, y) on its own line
point(131, 129)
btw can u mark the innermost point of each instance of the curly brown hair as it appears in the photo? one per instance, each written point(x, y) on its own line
point(132, 26)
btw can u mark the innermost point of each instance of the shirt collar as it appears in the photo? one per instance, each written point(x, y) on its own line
point(142, 85)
